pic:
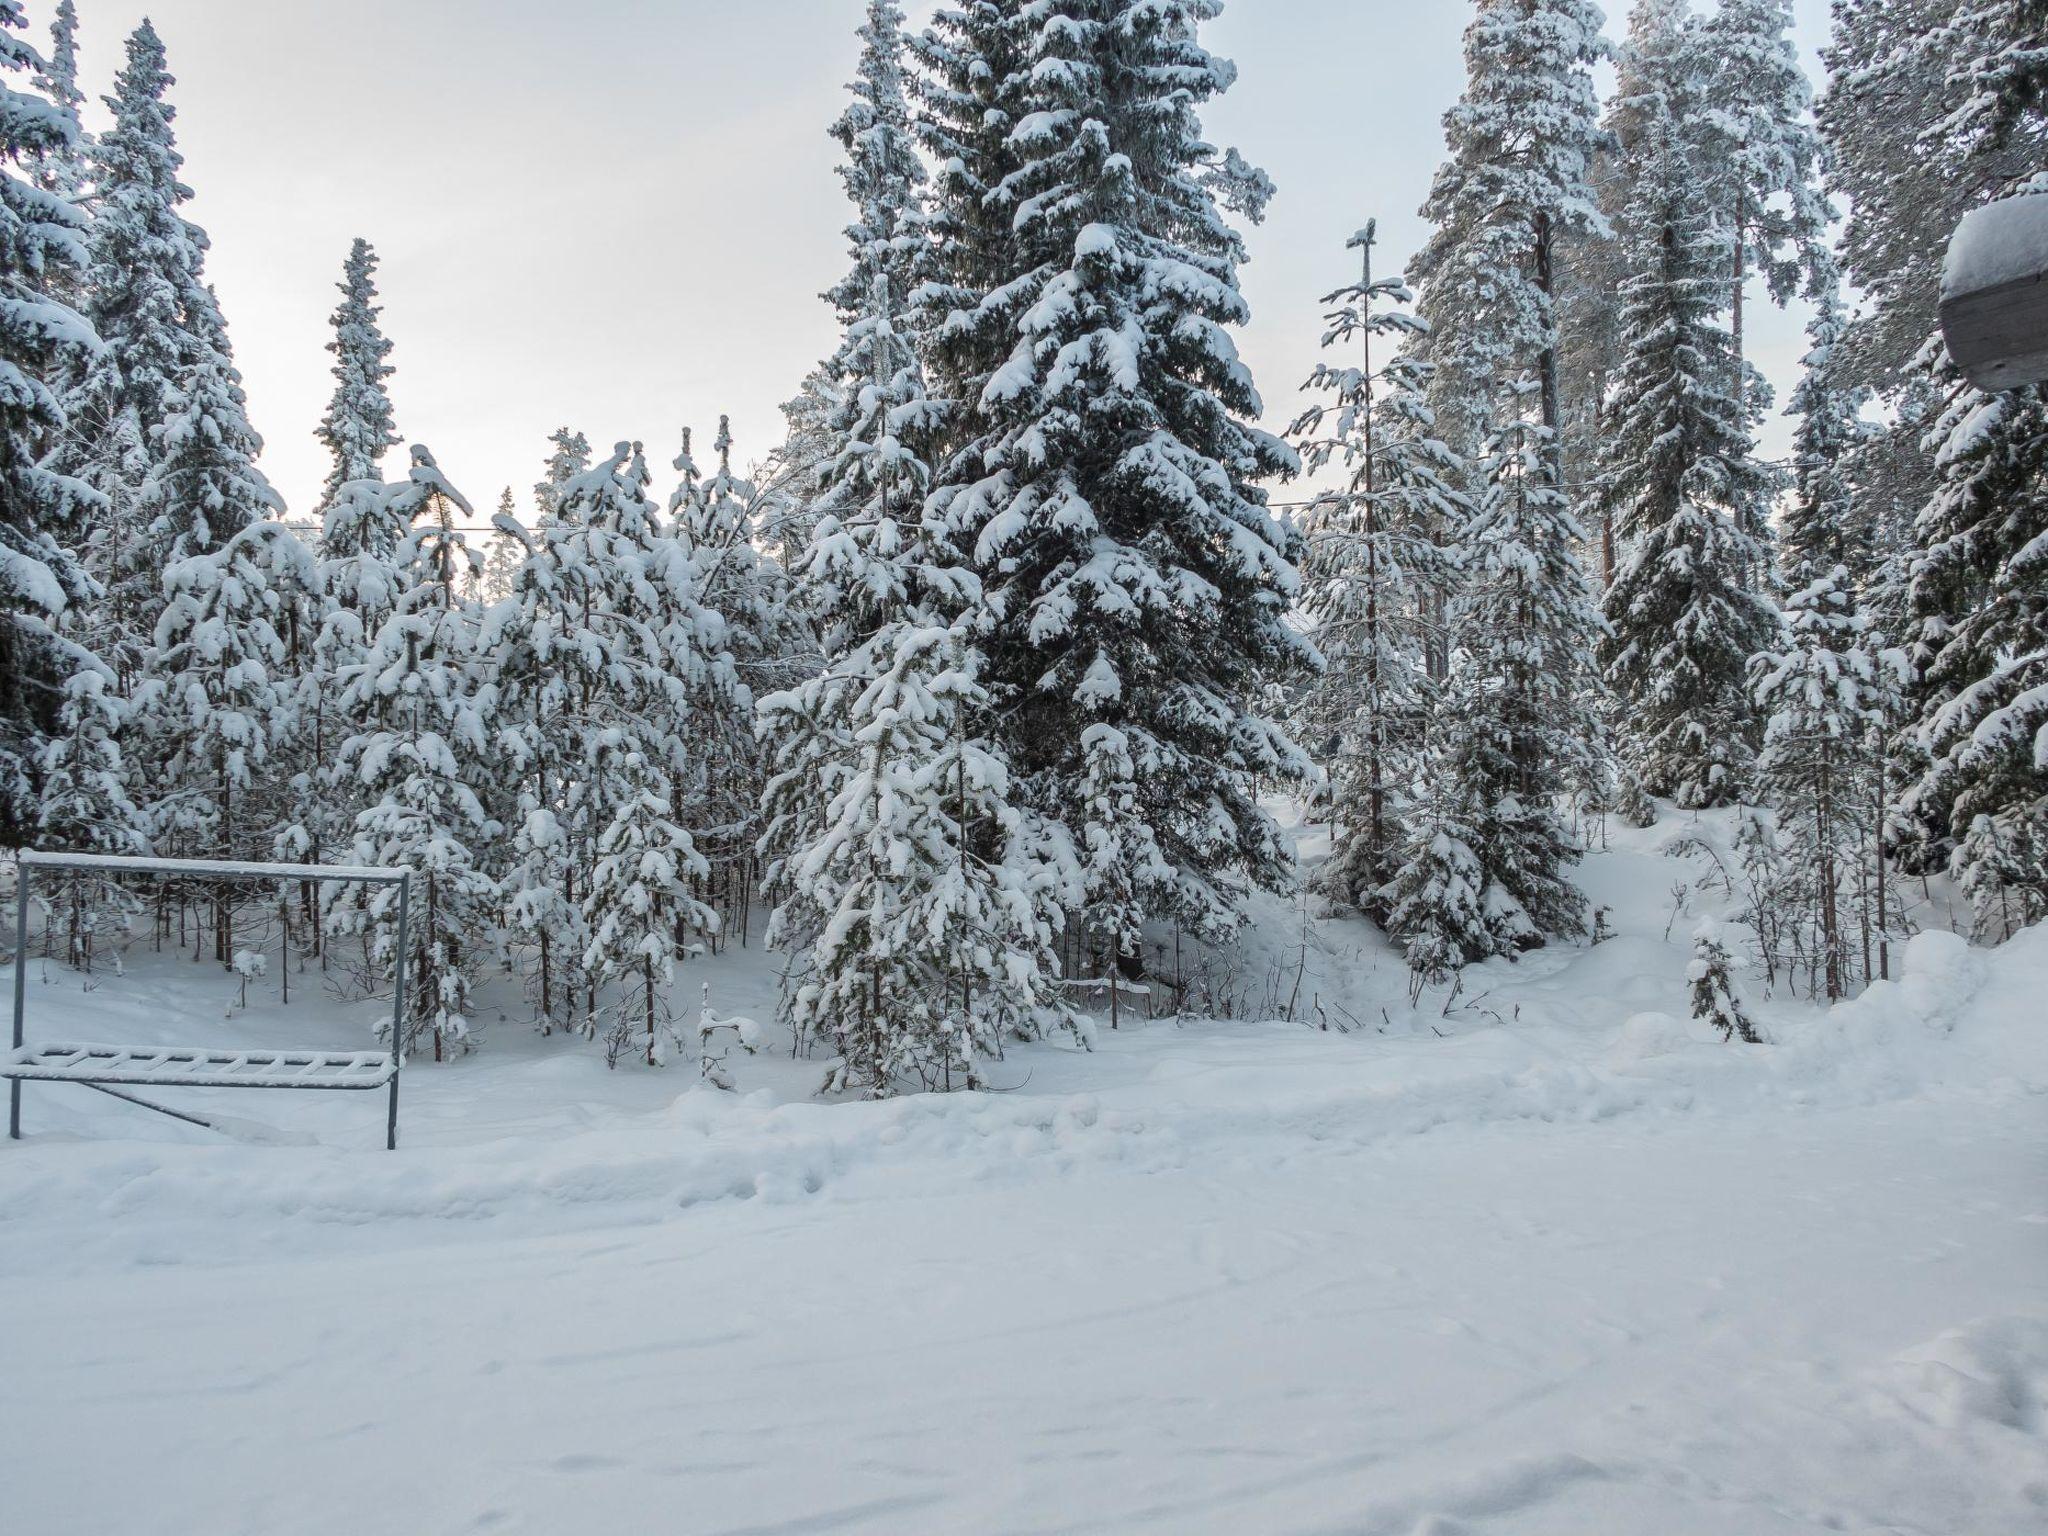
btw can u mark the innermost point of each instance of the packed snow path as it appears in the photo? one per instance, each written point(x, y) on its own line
point(1580, 1272)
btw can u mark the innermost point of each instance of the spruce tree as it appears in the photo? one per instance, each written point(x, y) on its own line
point(1377, 574)
point(420, 751)
point(637, 908)
point(1436, 903)
point(1134, 577)
point(1684, 615)
point(1980, 583)
point(570, 459)
point(1711, 975)
point(1515, 186)
point(158, 424)
point(60, 166)
point(212, 702)
point(968, 90)
point(43, 514)
point(1825, 524)
point(903, 875)
point(884, 181)
point(86, 808)
point(1825, 698)
point(1527, 630)
point(357, 429)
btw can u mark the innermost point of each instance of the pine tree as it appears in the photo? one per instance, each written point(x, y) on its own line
point(357, 429)
point(43, 514)
point(422, 744)
point(1134, 576)
point(1377, 575)
point(1683, 613)
point(1763, 158)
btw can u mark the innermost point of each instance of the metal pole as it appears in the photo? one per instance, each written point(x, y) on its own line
point(20, 989)
point(398, 1012)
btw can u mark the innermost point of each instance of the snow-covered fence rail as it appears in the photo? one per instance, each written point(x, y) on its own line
point(102, 1067)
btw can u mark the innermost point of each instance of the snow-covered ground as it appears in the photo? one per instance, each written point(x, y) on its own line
point(1548, 1262)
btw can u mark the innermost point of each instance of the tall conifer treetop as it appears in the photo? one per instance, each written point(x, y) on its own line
point(358, 429)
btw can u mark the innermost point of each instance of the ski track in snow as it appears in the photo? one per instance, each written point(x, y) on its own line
point(1568, 1271)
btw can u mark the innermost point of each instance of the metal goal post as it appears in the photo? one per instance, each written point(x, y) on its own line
point(178, 1068)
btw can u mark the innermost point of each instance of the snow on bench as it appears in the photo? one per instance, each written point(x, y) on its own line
point(178, 1067)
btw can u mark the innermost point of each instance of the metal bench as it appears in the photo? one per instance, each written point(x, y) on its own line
point(111, 1068)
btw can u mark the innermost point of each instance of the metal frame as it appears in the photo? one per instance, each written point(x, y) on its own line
point(205, 869)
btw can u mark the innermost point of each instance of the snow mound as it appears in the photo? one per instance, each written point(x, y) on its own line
point(1992, 1372)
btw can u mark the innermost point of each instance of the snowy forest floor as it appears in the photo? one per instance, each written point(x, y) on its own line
point(1549, 1262)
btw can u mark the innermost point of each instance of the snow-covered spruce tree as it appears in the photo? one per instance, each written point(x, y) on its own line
point(1981, 584)
point(211, 703)
point(967, 87)
point(331, 628)
point(2001, 69)
point(724, 573)
point(503, 553)
point(157, 423)
point(1911, 153)
point(571, 457)
point(1376, 576)
point(422, 745)
point(792, 475)
point(1521, 139)
point(85, 808)
point(60, 165)
point(557, 656)
point(1134, 577)
point(637, 909)
point(1823, 525)
point(1824, 698)
point(1973, 589)
point(43, 514)
point(1527, 630)
point(358, 429)
point(1684, 612)
point(884, 181)
point(1437, 902)
point(903, 875)
point(1515, 185)
point(639, 901)
point(1711, 977)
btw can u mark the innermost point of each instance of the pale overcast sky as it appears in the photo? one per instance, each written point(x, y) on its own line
point(617, 214)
